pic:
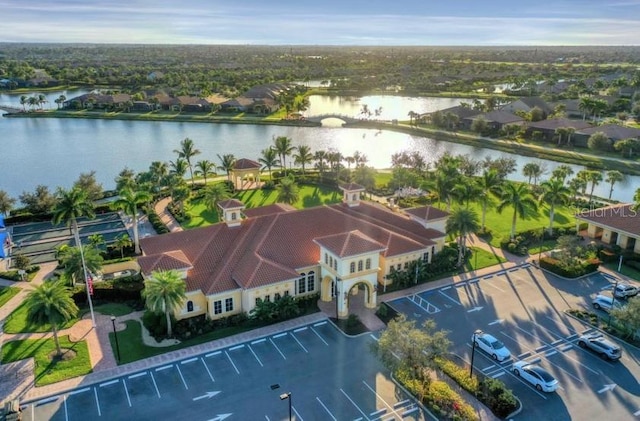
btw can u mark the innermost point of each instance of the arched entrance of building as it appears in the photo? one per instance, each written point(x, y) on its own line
point(344, 294)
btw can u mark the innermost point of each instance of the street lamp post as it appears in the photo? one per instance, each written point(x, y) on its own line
point(115, 335)
point(287, 396)
point(613, 302)
point(473, 351)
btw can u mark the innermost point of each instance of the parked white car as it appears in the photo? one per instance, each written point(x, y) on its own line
point(625, 290)
point(605, 303)
point(489, 344)
point(540, 378)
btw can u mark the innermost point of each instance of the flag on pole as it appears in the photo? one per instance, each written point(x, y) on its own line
point(90, 284)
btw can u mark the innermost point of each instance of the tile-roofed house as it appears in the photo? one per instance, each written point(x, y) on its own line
point(548, 127)
point(495, 119)
point(616, 224)
point(281, 251)
point(527, 104)
point(614, 132)
point(460, 111)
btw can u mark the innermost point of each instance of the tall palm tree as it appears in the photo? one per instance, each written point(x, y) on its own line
point(303, 156)
point(24, 100)
point(283, 147)
point(490, 185)
point(122, 241)
point(269, 159)
point(594, 177)
point(216, 193)
point(562, 172)
point(519, 197)
point(554, 192)
point(72, 259)
point(159, 171)
point(128, 201)
point(205, 168)
point(71, 205)
point(163, 293)
point(6, 203)
point(179, 167)
point(51, 302)
point(613, 177)
point(320, 157)
point(442, 185)
point(187, 151)
point(227, 162)
point(531, 170)
point(461, 223)
point(288, 191)
point(465, 190)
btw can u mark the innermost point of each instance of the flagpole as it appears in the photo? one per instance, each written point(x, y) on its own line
point(86, 278)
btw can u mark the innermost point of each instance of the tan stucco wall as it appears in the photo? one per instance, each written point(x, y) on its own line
point(237, 304)
point(199, 305)
point(118, 267)
point(249, 297)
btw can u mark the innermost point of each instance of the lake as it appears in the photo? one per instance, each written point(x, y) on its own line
point(54, 152)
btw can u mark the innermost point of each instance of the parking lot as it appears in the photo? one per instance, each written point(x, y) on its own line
point(525, 309)
point(329, 376)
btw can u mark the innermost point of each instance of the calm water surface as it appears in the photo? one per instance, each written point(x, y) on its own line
point(55, 151)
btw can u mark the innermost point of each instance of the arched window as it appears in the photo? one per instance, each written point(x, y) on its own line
point(359, 265)
point(311, 281)
point(233, 216)
point(352, 267)
point(367, 264)
point(189, 305)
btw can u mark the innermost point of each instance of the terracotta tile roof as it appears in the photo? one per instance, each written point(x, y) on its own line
point(613, 131)
point(268, 210)
point(427, 213)
point(501, 117)
point(175, 259)
point(245, 164)
point(555, 123)
point(271, 247)
point(620, 218)
point(350, 243)
point(230, 204)
point(351, 187)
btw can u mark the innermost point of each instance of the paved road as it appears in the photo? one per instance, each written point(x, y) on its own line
point(330, 377)
point(525, 308)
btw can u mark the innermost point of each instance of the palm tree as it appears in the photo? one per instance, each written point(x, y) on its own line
point(303, 157)
point(594, 177)
point(569, 131)
point(269, 159)
point(554, 192)
point(461, 223)
point(562, 172)
point(636, 199)
point(283, 147)
point(187, 151)
point(164, 292)
point(6, 203)
point(531, 170)
point(320, 157)
point(490, 185)
point(96, 240)
point(179, 167)
point(288, 191)
point(576, 185)
point(128, 201)
point(216, 193)
point(518, 196)
point(158, 171)
point(42, 99)
point(227, 162)
point(442, 185)
point(51, 302)
point(613, 177)
point(205, 168)
point(122, 241)
point(71, 205)
point(76, 261)
point(24, 100)
point(465, 190)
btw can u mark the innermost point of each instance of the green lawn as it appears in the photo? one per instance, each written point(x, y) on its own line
point(199, 214)
point(110, 309)
point(383, 178)
point(7, 293)
point(17, 322)
point(546, 246)
point(132, 348)
point(46, 371)
point(625, 270)
point(482, 258)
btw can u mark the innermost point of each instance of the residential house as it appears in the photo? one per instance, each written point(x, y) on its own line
point(615, 225)
point(239, 104)
point(527, 104)
point(344, 251)
point(495, 119)
point(460, 111)
point(571, 107)
point(548, 128)
point(614, 132)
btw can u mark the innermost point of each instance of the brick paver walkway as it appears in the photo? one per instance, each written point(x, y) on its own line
point(161, 209)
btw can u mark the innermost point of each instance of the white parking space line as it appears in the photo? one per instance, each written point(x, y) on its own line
point(213, 353)
point(97, 401)
point(354, 404)
point(320, 323)
point(133, 376)
point(127, 392)
point(66, 411)
point(164, 367)
point(452, 299)
point(277, 349)
point(182, 377)
point(378, 413)
point(75, 392)
point(46, 400)
point(501, 373)
point(258, 341)
point(109, 383)
point(208, 371)
point(254, 354)
point(190, 360)
point(301, 346)
point(488, 368)
point(155, 384)
point(297, 413)
point(233, 348)
point(279, 335)
point(380, 397)
point(231, 361)
point(326, 409)
point(374, 337)
point(318, 335)
point(401, 403)
point(492, 285)
point(300, 329)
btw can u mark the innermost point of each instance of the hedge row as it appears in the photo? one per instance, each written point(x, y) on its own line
point(156, 222)
point(127, 289)
point(576, 271)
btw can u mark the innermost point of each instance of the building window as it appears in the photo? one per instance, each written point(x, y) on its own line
point(352, 267)
point(335, 264)
point(189, 305)
point(406, 265)
point(228, 304)
point(267, 298)
point(311, 281)
point(398, 266)
point(302, 285)
point(258, 301)
point(217, 307)
point(277, 296)
point(326, 259)
point(330, 261)
point(367, 264)
point(286, 293)
point(233, 216)
point(425, 257)
point(359, 265)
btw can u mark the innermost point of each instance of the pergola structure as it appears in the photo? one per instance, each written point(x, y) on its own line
point(245, 174)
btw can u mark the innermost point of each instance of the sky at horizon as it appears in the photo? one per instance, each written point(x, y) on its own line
point(326, 22)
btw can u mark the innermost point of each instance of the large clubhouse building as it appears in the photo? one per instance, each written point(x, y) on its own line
point(615, 225)
point(274, 251)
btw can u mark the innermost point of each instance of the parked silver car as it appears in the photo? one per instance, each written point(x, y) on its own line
point(625, 290)
point(599, 344)
point(605, 303)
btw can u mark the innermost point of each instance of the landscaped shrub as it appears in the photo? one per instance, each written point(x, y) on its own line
point(496, 396)
point(156, 324)
point(127, 289)
point(156, 222)
point(569, 270)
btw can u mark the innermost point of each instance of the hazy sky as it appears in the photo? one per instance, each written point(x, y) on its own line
point(329, 22)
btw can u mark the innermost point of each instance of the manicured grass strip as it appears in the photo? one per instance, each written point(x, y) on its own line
point(482, 258)
point(625, 270)
point(133, 349)
point(546, 246)
point(7, 293)
point(17, 323)
point(110, 309)
point(46, 371)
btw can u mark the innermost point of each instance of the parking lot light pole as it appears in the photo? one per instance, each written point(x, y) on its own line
point(115, 335)
point(473, 351)
point(613, 302)
point(287, 396)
